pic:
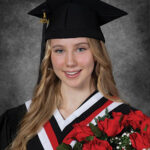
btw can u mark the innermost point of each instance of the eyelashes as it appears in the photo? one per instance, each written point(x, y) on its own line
point(81, 49)
point(60, 51)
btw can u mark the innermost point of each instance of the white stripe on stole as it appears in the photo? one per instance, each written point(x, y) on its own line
point(101, 114)
point(42, 133)
point(90, 102)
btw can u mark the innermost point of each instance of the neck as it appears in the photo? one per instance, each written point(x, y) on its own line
point(74, 97)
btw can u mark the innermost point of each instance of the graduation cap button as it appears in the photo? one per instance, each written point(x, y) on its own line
point(44, 19)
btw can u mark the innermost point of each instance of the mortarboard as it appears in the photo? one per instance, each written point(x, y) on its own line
point(74, 18)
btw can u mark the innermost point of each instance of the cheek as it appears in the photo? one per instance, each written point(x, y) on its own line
point(86, 61)
point(57, 62)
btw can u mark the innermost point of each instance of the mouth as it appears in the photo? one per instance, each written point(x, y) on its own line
point(72, 74)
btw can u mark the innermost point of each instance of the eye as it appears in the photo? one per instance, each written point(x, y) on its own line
point(58, 51)
point(81, 49)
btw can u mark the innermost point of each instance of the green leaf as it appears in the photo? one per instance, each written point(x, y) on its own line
point(89, 138)
point(121, 118)
point(128, 147)
point(95, 130)
point(145, 129)
point(107, 115)
point(77, 146)
point(96, 120)
point(64, 146)
point(101, 118)
point(106, 111)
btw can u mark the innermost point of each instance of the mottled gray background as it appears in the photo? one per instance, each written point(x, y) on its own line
point(127, 40)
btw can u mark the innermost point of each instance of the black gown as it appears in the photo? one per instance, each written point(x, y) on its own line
point(55, 130)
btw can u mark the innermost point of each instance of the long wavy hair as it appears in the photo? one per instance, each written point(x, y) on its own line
point(44, 101)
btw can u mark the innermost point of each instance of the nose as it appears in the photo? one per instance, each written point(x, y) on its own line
point(70, 60)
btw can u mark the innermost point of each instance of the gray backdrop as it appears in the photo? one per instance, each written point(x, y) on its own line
point(127, 41)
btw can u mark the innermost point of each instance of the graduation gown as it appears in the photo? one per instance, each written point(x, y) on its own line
point(57, 128)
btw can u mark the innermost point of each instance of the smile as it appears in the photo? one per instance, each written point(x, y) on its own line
point(72, 74)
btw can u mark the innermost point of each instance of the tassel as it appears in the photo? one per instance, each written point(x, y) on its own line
point(45, 21)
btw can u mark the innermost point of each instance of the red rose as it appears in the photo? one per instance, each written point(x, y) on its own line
point(97, 144)
point(135, 118)
point(145, 127)
point(145, 131)
point(121, 116)
point(111, 127)
point(80, 132)
point(139, 141)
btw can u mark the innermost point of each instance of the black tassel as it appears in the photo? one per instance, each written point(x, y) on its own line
point(43, 44)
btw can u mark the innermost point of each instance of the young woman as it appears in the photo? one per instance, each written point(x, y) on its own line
point(77, 83)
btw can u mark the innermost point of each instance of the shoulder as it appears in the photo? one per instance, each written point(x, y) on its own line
point(15, 114)
point(123, 108)
point(9, 124)
point(12, 116)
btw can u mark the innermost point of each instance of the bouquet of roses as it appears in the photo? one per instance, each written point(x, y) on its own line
point(115, 131)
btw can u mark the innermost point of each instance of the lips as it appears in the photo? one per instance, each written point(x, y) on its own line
point(72, 74)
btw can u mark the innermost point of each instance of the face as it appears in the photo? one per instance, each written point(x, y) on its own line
point(72, 61)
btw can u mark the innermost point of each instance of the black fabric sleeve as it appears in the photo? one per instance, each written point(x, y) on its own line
point(4, 131)
point(9, 124)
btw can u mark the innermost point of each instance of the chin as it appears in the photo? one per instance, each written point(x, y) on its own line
point(74, 84)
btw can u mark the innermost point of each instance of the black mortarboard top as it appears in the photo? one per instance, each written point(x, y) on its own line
point(74, 18)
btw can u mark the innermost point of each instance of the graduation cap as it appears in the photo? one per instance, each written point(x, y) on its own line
point(74, 18)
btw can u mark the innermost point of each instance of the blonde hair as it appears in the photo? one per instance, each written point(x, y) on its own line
point(44, 101)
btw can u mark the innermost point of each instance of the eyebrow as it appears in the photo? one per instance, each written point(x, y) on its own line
point(75, 44)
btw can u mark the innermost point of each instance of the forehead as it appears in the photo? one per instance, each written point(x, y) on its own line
point(66, 41)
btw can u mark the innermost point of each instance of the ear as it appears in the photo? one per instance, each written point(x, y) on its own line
point(100, 43)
